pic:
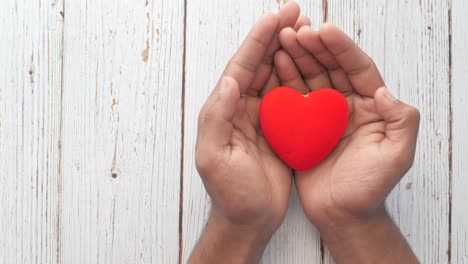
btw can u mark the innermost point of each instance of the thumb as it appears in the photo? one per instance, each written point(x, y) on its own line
point(401, 120)
point(215, 118)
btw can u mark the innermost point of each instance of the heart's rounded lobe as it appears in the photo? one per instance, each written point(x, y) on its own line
point(303, 129)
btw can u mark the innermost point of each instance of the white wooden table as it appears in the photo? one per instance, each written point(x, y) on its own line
point(98, 107)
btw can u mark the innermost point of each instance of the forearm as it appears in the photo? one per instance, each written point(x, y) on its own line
point(372, 240)
point(223, 242)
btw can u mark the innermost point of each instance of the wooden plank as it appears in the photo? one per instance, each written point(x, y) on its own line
point(215, 29)
point(121, 140)
point(409, 42)
point(297, 240)
point(459, 224)
point(30, 79)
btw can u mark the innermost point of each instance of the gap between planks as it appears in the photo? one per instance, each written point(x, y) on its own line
point(449, 250)
point(182, 105)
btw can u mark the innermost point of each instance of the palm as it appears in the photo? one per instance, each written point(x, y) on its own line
point(263, 178)
point(359, 152)
point(249, 142)
point(245, 180)
point(346, 178)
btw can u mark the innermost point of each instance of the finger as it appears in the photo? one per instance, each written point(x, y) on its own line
point(311, 41)
point(314, 74)
point(288, 73)
point(272, 83)
point(402, 122)
point(302, 21)
point(358, 66)
point(287, 17)
point(215, 119)
point(243, 67)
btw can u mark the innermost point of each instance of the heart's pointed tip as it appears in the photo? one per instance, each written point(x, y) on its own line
point(302, 169)
point(304, 166)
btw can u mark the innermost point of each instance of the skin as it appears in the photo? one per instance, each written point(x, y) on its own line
point(249, 185)
point(343, 196)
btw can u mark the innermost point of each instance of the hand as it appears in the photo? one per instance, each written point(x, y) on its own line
point(345, 193)
point(249, 185)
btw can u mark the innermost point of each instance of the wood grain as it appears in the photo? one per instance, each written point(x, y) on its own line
point(459, 70)
point(121, 137)
point(30, 105)
point(409, 42)
point(215, 29)
point(297, 240)
point(96, 98)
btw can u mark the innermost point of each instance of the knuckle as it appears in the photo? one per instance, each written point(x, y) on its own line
point(407, 116)
point(203, 164)
point(207, 113)
point(258, 41)
point(244, 65)
point(210, 116)
point(413, 113)
point(365, 67)
point(345, 50)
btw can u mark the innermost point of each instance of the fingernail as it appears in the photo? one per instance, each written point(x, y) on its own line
point(389, 95)
point(225, 86)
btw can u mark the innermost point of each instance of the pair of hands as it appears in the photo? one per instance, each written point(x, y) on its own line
point(250, 186)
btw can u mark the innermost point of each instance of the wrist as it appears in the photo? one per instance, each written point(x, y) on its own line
point(251, 235)
point(347, 237)
point(222, 240)
point(334, 229)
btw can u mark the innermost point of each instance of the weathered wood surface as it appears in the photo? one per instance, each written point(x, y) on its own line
point(215, 29)
point(30, 130)
point(459, 111)
point(90, 133)
point(98, 107)
point(409, 40)
point(121, 137)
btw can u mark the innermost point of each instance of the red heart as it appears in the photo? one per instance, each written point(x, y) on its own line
point(303, 129)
